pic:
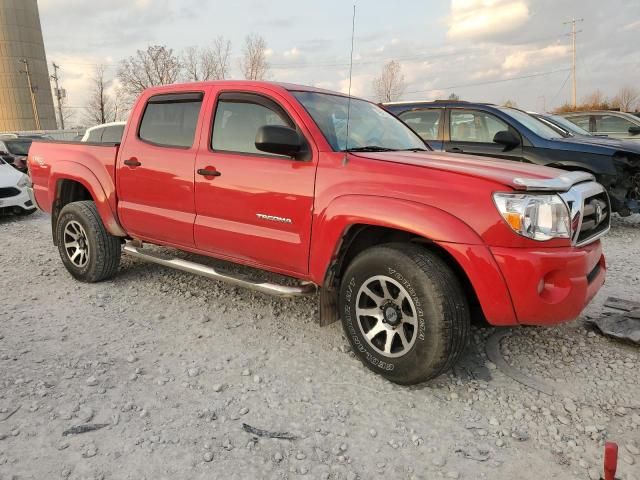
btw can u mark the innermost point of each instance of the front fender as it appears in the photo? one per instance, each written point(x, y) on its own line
point(422, 220)
point(67, 170)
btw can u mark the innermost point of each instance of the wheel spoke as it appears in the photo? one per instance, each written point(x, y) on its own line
point(75, 255)
point(73, 244)
point(371, 334)
point(411, 320)
point(369, 312)
point(385, 290)
point(403, 337)
point(389, 341)
point(373, 296)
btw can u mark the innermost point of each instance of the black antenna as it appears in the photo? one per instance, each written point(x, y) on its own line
point(353, 35)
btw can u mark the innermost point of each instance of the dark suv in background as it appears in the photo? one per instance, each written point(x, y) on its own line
point(489, 130)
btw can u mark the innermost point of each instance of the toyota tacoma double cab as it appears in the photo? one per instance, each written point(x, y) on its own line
point(404, 244)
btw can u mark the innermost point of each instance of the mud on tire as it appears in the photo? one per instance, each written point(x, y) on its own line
point(88, 251)
point(404, 312)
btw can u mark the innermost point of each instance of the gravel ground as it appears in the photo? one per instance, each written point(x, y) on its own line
point(169, 366)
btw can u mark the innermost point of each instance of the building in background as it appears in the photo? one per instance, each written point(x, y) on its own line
point(26, 102)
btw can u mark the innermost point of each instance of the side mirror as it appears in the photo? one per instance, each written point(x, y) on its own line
point(506, 138)
point(279, 140)
point(634, 130)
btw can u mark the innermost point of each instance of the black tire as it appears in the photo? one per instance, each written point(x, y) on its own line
point(23, 212)
point(103, 249)
point(437, 307)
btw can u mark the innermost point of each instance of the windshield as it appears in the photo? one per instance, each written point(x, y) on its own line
point(370, 127)
point(18, 147)
point(567, 125)
point(536, 126)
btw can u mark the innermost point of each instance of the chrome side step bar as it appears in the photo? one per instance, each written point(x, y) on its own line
point(303, 289)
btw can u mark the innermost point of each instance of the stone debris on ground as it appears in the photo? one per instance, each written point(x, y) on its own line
point(172, 391)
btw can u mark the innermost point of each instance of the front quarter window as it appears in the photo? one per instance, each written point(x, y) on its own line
point(369, 125)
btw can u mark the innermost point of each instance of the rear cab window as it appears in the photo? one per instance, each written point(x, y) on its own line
point(113, 134)
point(170, 120)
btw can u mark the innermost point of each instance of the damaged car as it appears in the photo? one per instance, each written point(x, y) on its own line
point(482, 129)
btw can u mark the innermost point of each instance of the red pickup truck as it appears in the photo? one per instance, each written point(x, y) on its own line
point(403, 243)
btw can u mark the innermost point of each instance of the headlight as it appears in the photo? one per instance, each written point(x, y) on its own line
point(24, 182)
point(540, 217)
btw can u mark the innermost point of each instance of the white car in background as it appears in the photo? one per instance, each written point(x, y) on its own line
point(14, 196)
point(105, 133)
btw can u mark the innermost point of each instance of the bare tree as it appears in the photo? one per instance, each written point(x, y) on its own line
point(389, 86)
point(221, 51)
point(210, 63)
point(626, 98)
point(157, 65)
point(254, 64)
point(510, 104)
point(99, 109)
point(454, 97)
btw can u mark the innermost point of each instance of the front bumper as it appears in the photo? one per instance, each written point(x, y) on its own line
point(550, 286)
point(22, 200)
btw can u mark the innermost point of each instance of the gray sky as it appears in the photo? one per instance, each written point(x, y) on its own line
point(478, 49)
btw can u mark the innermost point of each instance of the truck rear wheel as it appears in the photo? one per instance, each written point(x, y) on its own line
point(404, 312)
point(87, 250)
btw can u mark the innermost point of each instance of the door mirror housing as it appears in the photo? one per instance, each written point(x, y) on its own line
point(506, 138)
point(279, 140)
point(634, 130)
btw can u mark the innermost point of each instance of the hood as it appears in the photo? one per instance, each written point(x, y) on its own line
point(597, 145)
point(614, 143)
point(9, 176)
point(504, 172)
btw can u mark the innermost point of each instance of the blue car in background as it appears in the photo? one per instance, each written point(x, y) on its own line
point(484, 129)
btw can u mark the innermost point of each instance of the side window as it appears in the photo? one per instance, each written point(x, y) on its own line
point(425, 122)
point(580, 120)
point(475, 126)
point(95, 135)
point(113, 134)
point(238, 118)
point(612, 124)
point(170, 120)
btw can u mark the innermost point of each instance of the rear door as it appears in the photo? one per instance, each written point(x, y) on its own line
point(428, 123)
point(156, 168)
point(472, 132)
point(258, 207)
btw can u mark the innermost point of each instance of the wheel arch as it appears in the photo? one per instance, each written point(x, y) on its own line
point(78, 183)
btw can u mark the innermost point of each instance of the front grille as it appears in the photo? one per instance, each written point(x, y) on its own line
point(9, 192)
point(595, 217)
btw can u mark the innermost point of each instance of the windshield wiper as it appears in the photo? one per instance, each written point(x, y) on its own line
point(370, 148)
point(417, 149)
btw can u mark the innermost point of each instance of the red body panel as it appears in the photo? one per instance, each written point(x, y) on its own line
point(444, 198)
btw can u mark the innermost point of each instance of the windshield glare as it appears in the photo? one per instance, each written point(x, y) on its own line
point(369, 125)
point(536, 126)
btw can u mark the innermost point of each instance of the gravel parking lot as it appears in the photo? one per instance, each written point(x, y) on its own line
point(168, 366)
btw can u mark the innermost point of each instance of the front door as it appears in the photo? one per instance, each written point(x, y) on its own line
point(155, 169)
point(252, 206)
point(472, 132)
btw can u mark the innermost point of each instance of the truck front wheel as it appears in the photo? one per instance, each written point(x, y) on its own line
point(87, 250)
point(404, 311)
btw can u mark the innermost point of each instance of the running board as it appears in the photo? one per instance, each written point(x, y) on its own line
point(303, 289)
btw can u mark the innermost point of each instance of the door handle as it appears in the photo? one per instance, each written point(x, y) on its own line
point(455, 150)
point(208, 173)
point(132, 162)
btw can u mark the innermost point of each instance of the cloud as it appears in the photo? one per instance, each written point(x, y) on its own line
point(473, 19)
point(527, 58)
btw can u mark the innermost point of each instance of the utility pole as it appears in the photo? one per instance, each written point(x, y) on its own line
point(54, 77)
point(34, 103)
point(573, 35)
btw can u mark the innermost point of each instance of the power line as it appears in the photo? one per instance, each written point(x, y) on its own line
point(490, 82)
